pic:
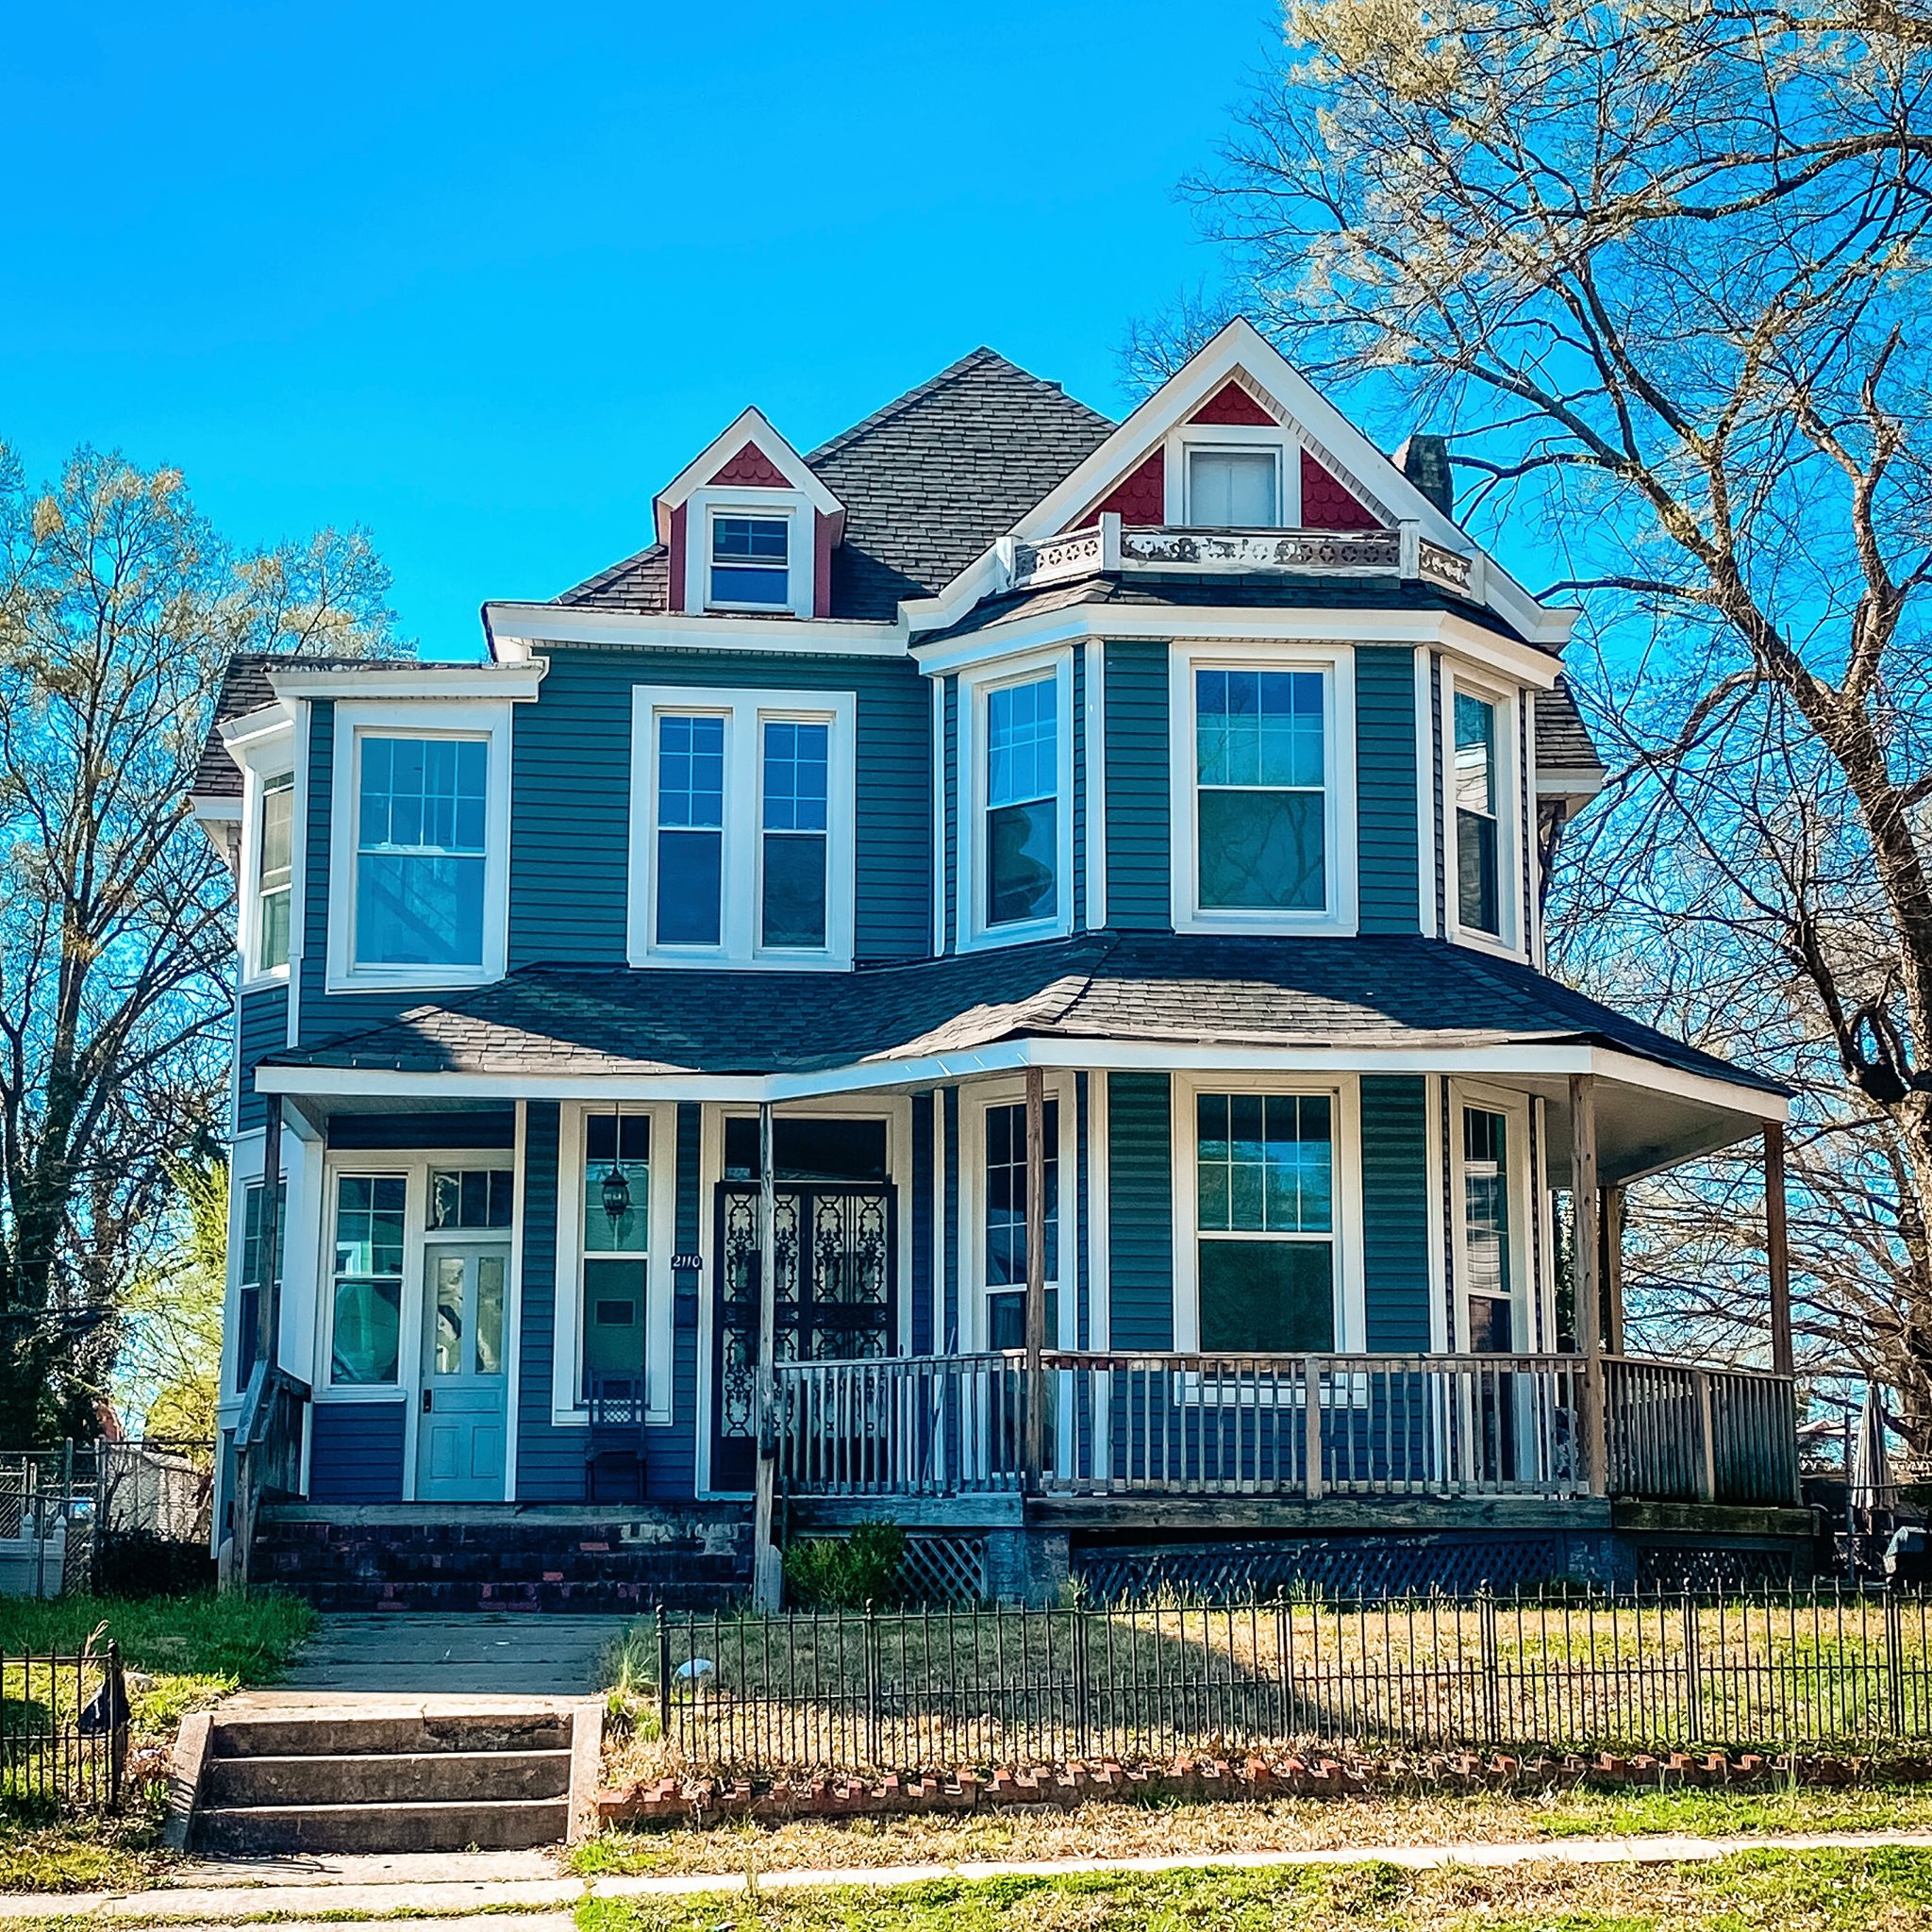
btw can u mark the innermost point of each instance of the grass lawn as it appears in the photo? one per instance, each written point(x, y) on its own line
point(1813, 1892)
point(1275, 1825)
point(182, 1654)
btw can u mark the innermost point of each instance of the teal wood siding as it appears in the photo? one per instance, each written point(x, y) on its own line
point(950, 937)
point(1079, 799)
point(1140, 1208)
point(550, 1461)
point(1385, 787)
point(355, 1452)
point(1396, 1211)
point(922, 1204)
point(671, 1466)
point(1138, 832)
point(262, 1025)
point(570, 807)
point(1440, 842)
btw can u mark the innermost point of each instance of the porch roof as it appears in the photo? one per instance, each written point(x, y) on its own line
point(1371, 993)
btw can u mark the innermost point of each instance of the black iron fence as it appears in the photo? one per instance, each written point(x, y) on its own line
point(926, 1690)
point(63, 1731)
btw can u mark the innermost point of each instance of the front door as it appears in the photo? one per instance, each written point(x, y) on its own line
point(459, 1435)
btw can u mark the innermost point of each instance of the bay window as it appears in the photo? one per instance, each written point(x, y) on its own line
point(1005, 1230)
point(1477, 892)
point(742, 833)
point(252, 1282)
point(1482, 812)
point(1264, 1188)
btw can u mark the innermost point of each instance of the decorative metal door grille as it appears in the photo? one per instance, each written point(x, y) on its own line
point(839, 1306)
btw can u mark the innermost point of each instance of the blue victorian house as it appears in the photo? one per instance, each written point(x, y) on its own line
point(991, 974)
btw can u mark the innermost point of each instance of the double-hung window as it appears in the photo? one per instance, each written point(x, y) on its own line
point(367, 1280)
point(1264, 1186)
point(743, 834)
point(751, 562)
point(1478, 900)
point(274, 871)
point(252, 1282)
point(1260, 790)
point(691, 830)
point(794, 845)
point(1234, 489)
point(421, 851)
point(1022, 801)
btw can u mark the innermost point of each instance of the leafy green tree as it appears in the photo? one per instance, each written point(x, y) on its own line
point(119, 607)
point(170, 1364)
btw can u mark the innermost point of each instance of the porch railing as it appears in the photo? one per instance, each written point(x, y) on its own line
point(1127, 1423)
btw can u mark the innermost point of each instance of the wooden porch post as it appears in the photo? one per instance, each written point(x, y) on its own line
point(1036, 1277)
point(1585, 1210)
point(1612, 1267)
point(268, 1300)
point(768, 1575)
point(1777, 1253)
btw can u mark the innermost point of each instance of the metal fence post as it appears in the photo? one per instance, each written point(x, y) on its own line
point(1693, 1673)
point(118, 1719)
point(1895, 1662)
point(663, 1678)
point(872, 1686)
point(1493, 1669)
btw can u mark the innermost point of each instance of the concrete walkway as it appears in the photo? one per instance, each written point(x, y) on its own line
point(409, 1654)
point(456, 1889)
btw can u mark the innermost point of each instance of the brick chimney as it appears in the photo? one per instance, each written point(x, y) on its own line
point(1424, 460)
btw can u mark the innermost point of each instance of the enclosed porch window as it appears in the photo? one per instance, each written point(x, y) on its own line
point(617, 1245)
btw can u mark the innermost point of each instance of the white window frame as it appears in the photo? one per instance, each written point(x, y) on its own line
point(566, 1405)
point(744, 713)
point(1188, 437)
point(1340, 917)
point(1343, 1094)
point(354, 721)
point(1509, 844)
point(1034, 667)
point(257, 777)
point(703, 507)
point(977, 1101)
point(1526, 1293)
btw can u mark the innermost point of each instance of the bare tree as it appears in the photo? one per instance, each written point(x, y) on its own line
point(119, 606)
point(1661, 271)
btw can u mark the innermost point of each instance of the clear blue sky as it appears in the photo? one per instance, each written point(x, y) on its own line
point(482, 278)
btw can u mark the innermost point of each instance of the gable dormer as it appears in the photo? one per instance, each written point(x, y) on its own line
point(749, 528)
point(1240, 462)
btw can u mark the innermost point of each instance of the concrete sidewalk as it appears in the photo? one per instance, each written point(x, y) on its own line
point(436, 1889)
point(416, 1654)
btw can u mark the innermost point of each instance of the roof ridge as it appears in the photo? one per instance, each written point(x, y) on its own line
point(972, 358)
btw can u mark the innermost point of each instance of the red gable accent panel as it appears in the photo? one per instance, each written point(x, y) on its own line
point(1327, 506)
point(1231, 403)
point(751, 465)
point(1140, 497)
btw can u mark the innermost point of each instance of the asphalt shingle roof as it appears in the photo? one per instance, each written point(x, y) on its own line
point(244, 689)
point(1562, 738)
point(927, 482)
point(1331, 994)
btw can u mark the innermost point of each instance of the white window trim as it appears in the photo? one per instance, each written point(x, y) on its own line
point(274, 762)
point(1344, 1092)
point(1509, 841)
point(1341, 916)
point(742, 867)
point(801, 547)
point(896, 1111)
point(975, 1103)
point(1188, 437)
point(566, 1405)
point(461, 719)
point(1525, 1293)
point(974, 934)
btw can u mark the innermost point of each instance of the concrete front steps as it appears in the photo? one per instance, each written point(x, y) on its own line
point(437, 1775)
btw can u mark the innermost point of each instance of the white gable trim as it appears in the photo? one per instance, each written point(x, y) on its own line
point(749, 427)
point(1239, 349)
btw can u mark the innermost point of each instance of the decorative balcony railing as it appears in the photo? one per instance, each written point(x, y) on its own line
point(1131, 1423)
point(1109, 545)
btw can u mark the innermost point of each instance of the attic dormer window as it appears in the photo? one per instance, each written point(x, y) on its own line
point(1234, 489)
point(750, 562)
